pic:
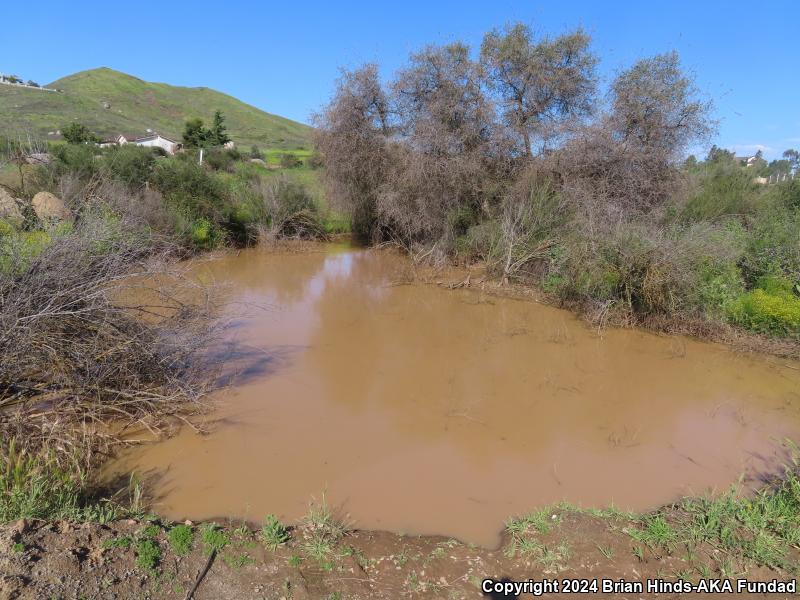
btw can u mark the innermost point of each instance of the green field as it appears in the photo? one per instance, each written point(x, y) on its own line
point(134, 106)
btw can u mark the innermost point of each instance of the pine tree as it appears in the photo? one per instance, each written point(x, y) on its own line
point(219, 135)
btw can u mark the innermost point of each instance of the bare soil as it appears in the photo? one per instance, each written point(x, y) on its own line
point(60, 560)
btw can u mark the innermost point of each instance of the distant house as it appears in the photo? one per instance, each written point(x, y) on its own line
point(118, 140)
point(156, 140)
point(153, 140)
point(31, 85)
point(747, 161)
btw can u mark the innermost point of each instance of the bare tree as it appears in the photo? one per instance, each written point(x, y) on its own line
point(447, 146)
point(351, 137)
point(542, 83)
point(628, 160)
point(656, 106)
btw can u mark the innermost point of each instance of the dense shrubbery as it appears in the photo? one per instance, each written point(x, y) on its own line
point(203, 206)
point(772, 307)
point(515, 159)
point(284, 209)
point(76, 352)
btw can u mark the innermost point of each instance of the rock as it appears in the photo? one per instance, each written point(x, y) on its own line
point(258, 161)
point(9, 208)
point(50, 208)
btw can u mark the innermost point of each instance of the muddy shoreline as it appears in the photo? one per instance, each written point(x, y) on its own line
point(94, 561)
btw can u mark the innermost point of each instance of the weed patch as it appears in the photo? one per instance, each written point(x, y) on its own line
point(274, 533)
point(214, 538)
point(148, 554)
point(181, 538)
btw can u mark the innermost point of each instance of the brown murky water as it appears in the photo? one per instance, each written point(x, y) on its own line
point(424, 410)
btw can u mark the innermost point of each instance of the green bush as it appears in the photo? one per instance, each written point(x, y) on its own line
point(719, 286)
point(721, 188)
point(214, 538)
point(774, 245)
point(772, 308)
point(274, 533)
point(191, 184)
point(290, 161)
point(18, 248)
point(148, 554)
point(181, 538)
point(79, 160)
point(222, 160)
point(204, 235)
point(786, 193)
point(130, 164)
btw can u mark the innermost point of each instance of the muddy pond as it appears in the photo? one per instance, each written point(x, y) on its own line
point(425, 410)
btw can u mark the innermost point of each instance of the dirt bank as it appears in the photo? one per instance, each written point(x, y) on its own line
point(116, 561)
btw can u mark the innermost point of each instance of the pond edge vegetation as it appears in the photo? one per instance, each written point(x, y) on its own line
point(455, 161)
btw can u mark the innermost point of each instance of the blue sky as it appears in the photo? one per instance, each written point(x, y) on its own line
point(284, 56)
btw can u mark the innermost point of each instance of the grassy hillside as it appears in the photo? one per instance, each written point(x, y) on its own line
point(135, 106)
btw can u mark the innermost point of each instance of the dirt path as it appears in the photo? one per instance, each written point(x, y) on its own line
point(59, 560)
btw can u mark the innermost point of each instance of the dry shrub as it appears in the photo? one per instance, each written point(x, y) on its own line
point(285, 210)
point(647, 269)
point(613, 180)
point(351, 140)
point(531, 223)
point(444, 173)
point(96, 330)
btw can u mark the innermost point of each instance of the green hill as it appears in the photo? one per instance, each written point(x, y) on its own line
point(110, 102)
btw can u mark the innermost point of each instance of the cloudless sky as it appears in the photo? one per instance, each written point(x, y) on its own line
point(284, 57)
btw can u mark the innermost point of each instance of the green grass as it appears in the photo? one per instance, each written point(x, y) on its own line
point(760, 529)
point(273, 156)
point(294, 560)
point(137, 105)
point(214, 538)
point(238, 561)
point(148, 532)
point(273, 533)
point(124, 542)
point(180, 539)
point(655, 531)
point(540, 521)
point(606, 551)
point(322, 532)
point(148, 554)
point(36, 486)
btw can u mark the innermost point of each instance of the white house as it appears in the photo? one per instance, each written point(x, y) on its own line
point(118, 140)
point(157, 140)
point(152, 140)
point(747, 161)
